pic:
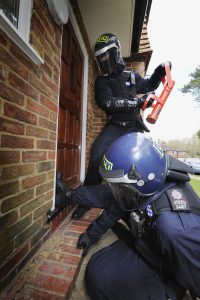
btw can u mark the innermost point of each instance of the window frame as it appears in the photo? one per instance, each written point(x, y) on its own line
point(20, 35)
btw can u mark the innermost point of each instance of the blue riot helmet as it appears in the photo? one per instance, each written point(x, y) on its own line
point(107, 52)
point(135, 166)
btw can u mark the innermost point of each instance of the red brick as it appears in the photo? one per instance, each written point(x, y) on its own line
point(53, 46)
point(12, 262)
point(23, 86)
point(16, 201)
point(53, 116)
point(16, 142)
point(45, 166)
point(51, 175)
point(37, 108)
point(19, 54)
point(81, 223)
point(29, 206)
point(19, 114)
point(68, 240)
point(49, 195)
point(76, 228)
point(36, 294)
point(6, 249)
point(47, 103)
point(27, 233)
point(56, 78)
point(47, 124)
point(64, 258)
point(53, 136)
point(48, 61)
point(33, 181)
point(9, 189)
point(51, 155)
point(39, 85)
point(13, 63)
point(11, 126)
point(11, 95)
point(3, 72)
point(44, 188)
point(50, 84)
point(8, 219)
point(35, 131)
point(68, 249)
point(8, 157)
point(50, 29)
point(46, 68)
point(33, 156)
point(57, 269)
point(17, 171)
point(38, 27)
point(51, 283)
point(45, 144)
point(71, 234)
point(2, 39)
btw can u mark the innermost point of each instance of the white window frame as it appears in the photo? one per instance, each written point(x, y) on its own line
point(20, 35)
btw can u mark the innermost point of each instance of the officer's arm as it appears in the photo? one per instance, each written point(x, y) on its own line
point(105, 100)
point(145, 85)
point(106, 220)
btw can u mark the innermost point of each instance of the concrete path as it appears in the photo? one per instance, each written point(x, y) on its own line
point(79, 292)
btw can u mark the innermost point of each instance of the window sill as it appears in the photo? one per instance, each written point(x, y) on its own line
point(11, 31)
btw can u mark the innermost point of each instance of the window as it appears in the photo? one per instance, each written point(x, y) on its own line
point(15, 18)
point(11, 10)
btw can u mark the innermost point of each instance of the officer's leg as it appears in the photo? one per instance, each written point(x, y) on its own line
point(99, 147)
point(118, 272)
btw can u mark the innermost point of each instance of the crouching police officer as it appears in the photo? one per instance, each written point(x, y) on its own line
point(116, 91)
point(162, 261)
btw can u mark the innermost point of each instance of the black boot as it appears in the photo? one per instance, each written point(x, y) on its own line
point(79, 212)
point(63, 193)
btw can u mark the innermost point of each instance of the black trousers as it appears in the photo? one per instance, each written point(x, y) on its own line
point(108, 135)
point(117, 272)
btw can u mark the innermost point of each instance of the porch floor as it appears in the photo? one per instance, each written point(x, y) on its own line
point(52, 271)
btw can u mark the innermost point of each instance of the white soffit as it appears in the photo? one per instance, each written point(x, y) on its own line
point(115, 16)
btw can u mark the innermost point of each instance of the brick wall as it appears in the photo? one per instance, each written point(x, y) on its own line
point(28, 117)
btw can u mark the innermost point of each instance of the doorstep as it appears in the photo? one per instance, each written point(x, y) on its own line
point(52, 271)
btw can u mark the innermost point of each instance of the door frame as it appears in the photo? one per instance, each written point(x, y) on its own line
point(84, 100)
point(85, 90)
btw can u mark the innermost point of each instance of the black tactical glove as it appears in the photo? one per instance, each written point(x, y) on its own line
point(160, 70)
point(63, 193)
point(84, 242)
point(142, 100)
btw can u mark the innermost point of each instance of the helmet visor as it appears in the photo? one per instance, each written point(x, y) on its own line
point(126, 196)
point(106, 62)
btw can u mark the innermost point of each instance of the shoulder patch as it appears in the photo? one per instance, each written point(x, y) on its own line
point(177, 200)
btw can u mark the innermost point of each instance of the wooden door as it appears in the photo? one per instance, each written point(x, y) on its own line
point(70, 108)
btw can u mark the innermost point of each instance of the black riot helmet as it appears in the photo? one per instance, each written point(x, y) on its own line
point(108, 55)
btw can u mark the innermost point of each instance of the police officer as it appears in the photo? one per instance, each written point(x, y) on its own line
point(116, 92)
point(162, 260)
